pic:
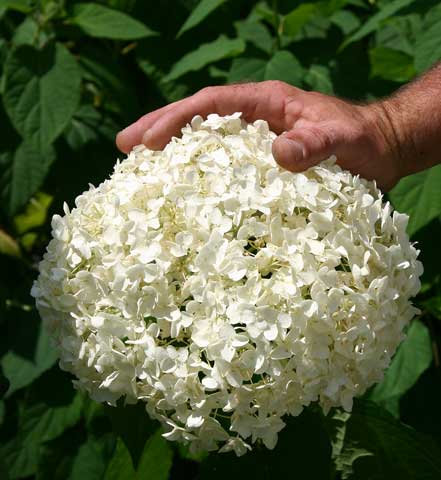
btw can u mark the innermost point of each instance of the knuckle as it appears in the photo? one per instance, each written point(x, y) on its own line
point(277, 85)
point(207, 91)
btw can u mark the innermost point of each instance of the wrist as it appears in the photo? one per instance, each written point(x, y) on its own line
point(393, 144)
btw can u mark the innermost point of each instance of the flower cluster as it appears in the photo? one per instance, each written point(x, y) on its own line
point(223, 291)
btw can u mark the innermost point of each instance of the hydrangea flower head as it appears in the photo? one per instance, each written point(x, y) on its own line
point(223, 291)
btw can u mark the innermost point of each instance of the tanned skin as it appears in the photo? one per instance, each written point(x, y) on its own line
point(384, 140)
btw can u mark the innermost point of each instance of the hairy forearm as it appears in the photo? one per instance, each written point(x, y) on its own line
point(412, 117)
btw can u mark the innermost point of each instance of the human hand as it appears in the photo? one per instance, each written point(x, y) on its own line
point(311, 127)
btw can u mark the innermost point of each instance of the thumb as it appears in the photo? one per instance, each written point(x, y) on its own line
point(301, 148)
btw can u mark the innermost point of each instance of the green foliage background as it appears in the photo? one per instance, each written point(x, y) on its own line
point(72, 75)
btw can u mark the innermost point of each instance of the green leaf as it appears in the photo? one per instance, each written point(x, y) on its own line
point(155, 461)
point(8, 246)
point(92, 458)
point(41, 91)
point(391, 64)
point(88, 125)
point(31, 352)
point(419, 196)
point(29, 33)
point(284, 66)
point(38, 423)
point(29, 169)
point(428, 47)
point(303, 451)
point(298, 18)
point(134, 427)
point(319, 79)
point(400, 33)
point(102, 22)
point(35, 213)
point(375, 21)
point(412, 359)
point(346, 21)
point(246, 70)
point(255, 33)
point(205, 54)
point(202, 10)
point(23, 6)
point(376, 446)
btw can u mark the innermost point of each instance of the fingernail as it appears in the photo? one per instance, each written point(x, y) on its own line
point(288, 152)
point(147, 137)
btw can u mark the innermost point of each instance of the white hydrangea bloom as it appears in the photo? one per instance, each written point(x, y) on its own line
point(223, 291)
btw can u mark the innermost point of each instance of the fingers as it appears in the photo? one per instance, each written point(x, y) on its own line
point(255, 100)
point(221, 100)
point(301, 148)
point(132, 135)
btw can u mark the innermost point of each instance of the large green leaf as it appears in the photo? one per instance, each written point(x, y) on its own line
point(30, 350)
point(375, 21)
point(303, 451)
point(202, 10)
point(413, 357)
point(38, 423)
point(391, 64)
point(428, 47)
point(419, 196)
point(154, 464)
point(373, 445)
point(29, 169)
point(205, 54)
point(41, 91)
point(133, 426)
point(284, 66)
point(99, 21)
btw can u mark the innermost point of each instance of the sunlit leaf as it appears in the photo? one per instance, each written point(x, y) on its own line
point(391, 64)
point(99, 21)
point(202, 10)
